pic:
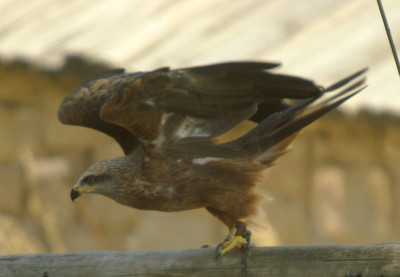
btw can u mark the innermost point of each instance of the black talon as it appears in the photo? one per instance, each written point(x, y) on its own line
point(218, 250)
point(247, 236)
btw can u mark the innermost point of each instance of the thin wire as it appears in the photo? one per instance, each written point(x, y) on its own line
point(396, 58)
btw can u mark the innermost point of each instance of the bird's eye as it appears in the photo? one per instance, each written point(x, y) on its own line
point(90, 179)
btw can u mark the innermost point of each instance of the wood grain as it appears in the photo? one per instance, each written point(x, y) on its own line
point(346, 261)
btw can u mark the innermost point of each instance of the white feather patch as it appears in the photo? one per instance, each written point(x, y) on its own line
point(202, 161)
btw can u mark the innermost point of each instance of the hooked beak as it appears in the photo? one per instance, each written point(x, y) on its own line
point(74, 194)
point(77, 191)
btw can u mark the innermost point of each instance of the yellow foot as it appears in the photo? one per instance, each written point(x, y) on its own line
point(240, 240)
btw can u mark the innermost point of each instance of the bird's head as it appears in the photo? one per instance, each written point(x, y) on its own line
point(105, 177)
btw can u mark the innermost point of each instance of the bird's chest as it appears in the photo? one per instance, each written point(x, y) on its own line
point(164, 187)
point(159, 196)
point(163, 201)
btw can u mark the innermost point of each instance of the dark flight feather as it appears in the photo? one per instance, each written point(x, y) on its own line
point(213, 98)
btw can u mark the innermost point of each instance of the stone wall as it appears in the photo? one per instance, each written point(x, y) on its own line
point(339, 184)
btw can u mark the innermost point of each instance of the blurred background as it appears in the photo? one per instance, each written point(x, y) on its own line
point(339, 185)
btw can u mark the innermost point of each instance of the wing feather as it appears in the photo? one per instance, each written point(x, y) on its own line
point(210, 99)
point(186, 108)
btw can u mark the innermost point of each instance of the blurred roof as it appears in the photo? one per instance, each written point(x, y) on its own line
point(319, 39)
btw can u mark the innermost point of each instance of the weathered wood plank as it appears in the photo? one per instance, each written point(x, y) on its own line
point(346, 261)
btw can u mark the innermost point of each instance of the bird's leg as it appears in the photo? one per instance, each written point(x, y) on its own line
point(239, 238)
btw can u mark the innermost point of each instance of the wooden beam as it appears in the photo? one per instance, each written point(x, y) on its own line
point(347, 261)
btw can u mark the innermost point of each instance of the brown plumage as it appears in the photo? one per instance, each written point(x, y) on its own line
point(166, 121)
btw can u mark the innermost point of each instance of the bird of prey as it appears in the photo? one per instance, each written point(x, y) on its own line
point(167, 123)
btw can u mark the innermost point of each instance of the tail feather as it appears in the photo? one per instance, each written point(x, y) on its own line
point(306, 118)
point(271, 138)
point(346, 80)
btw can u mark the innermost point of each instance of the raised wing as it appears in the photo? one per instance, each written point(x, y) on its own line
point(183, 105)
